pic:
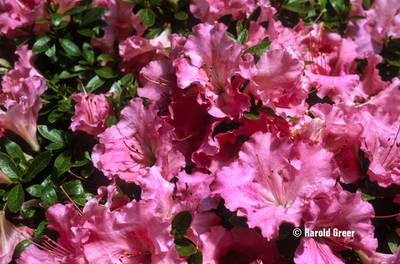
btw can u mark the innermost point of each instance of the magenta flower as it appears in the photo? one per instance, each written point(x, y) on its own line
point(20, 95)
point(214, 60)
point(91, 111)
point(139, 141)
point(10, 236)
point(272, 179)
point(334, 212)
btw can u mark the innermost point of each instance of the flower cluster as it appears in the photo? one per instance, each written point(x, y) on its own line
point(200, 132)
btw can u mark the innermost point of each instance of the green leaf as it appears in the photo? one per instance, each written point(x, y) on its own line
point(86, 32)
point(196, 258)
point(41, 20)
point(94, 83)
point(298, 8)
point(93, 15)
point(42, 44)
point(66, 74)
point(52, 134)
point(126, 80)
point(253, 17)
point(242, 38)
point(49, 197)
point(147, 17)
point(181, 223)
point(358, 17)
point(63, 162)
point(54, 115)
point(21, 247)
point(56, 18)
point(5, 63)
point(293, 119)
point(9, 168)
point(111, 120)
point(54, 146)
point(106, 72)
point(264, 44)
point(29, 211)
point(16, 198)
point(105, 57)
point(73, 187)
point(270, 112)
point(181, 15)
point(75, 10)
point(35, 190)
point(87, 52)
point(70, 47)
point(251, 116)
point(184, 247)
point(285, 247)
point(392, 239)
point(37, 165)
point(366, 197)
point(308, 62)
point(14, 150)
point(51, 53)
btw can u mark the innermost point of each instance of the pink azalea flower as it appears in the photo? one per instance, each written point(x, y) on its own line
point(140, 140)
point(137, 52)
point(122, 23)
point(214, 60)
point(10, 236)
point(68, 248)
point(21, 92)
point(210, 11)
point(333, 212)
point(19, 13)
point(91, 111)
point(271, 180)
point(130, 235)
point(332, 72)
point(371, 81)
point(380, 143)
point(381, 19)
point(388, 99)
point(340, 135)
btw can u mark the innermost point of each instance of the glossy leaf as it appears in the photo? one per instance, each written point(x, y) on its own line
point(14, 150)
point(93, 15)
point(52, 134)
point(41, 45)
point(70, 47)
point(38, 164)
point(8, 167)
point(93, 84)
point(16, 198)
point(63, 162)
point(181, 223)
point(147, 17)
point(35, 190)
point(196, 258)
point(184, 247)
point(73, 187)
point(106, 72)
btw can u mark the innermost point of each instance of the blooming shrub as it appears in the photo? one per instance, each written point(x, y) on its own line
point(196, 131)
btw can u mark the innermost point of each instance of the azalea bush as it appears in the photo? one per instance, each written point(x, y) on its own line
point(199, 131)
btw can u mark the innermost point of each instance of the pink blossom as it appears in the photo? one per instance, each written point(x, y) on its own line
point(131, 234)
point(214, 60)
point(68, 248)
point(10, 236)
point(210, 11)
point(91, 111)
point(272, 177)
point(137, 52)
point(332, 72)
point(380, 143)
point(140, 140)
point(340, 135)
point(20, 13)
point(388, 99)
point(122, 23)
point(21, 92)
point(381, 19)
point(335, 211)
